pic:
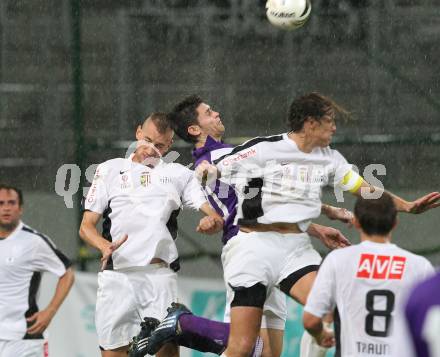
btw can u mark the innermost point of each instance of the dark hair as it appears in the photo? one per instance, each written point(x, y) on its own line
point(313, 105)
point(376, 216)
point(13, 188)
point(161, 121)
point(183, 115)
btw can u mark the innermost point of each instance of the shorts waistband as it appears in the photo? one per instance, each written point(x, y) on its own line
point(283, 228)
point(145, 268)
point(155, 263)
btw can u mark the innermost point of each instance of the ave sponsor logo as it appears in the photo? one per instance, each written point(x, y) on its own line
point(381, 267)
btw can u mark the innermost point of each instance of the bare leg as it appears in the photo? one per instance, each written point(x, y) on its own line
point(245, 327)
point(273, 342)
point(301, 289)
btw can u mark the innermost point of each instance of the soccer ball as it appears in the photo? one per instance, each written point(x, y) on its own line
point(288, 14)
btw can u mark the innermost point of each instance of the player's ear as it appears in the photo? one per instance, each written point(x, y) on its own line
point(309, 123)
point(194, 130)
point(395, 223)
point(139, 133)
point(356, 223)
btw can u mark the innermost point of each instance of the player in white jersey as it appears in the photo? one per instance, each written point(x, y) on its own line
point(195, 122)
point(365, 283)
point(281, 179)
point(24, 255)
point(139, 198)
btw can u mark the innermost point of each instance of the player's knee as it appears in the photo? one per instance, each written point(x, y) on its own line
point(254, 296)
point(241, 347)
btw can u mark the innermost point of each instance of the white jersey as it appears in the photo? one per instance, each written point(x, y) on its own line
point(365, 283)
point(143, 203)
point(277, 182)
point(24, 254)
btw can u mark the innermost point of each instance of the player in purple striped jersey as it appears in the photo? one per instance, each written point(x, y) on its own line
point(196, 123)
point(419, 335)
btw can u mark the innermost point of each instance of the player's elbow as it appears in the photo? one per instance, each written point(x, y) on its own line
point(83, 229)
point(68, 278)
point(311, 322)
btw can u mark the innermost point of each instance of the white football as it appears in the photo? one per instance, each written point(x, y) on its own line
point(288, 14)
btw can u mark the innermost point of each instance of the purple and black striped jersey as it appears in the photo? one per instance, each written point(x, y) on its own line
point(221, 196)
point(422, 312)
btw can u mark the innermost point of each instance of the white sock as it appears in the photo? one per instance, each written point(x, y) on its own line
point(258, 348)
point(309, 347)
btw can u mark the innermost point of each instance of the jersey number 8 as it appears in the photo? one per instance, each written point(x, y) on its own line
point(373, 312)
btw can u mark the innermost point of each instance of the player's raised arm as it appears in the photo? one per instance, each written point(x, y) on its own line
point(349, 180)
point(420, 205)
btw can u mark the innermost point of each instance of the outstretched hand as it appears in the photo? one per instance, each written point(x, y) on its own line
point(425, 203)
point(210, 225)
point(341, 214)
point(331, 237)
point(107, 252)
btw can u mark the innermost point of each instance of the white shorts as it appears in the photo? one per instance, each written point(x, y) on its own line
point(24, 348)
point(266, 257)
point(126, 296)
point(274, 310)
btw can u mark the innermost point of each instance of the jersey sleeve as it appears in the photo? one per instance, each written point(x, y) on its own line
point(192, 195)
point(343, 175)
point(322, 297)
point(97, 197)
point(48, 258)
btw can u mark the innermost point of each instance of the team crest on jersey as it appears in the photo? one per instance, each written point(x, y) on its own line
point(380, 267)
point(303, 174)
point(145, 179)
point(125, 182)
point(313, 175)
